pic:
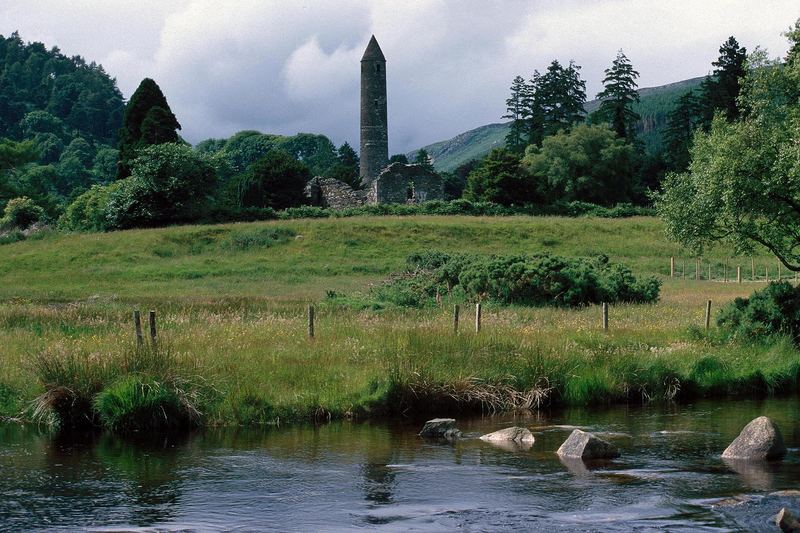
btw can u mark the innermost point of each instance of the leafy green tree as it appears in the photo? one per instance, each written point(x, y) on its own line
point(347, 168)
point(587, 164)
point(39, 121)
point(743, 182)
point(499, 179)
point(246, 147)
point(49, 146)
point(618, 97)
point(13, 155)
point(147, 118)
point(517, 110)
point(317, 152)
point(423, 159)
point(38, 182)
point(398, 158)
point(104, 166)
point(277, 180)
point(170, 184)
point(682, 122)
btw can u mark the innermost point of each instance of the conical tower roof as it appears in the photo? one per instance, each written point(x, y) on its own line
point(373, 51)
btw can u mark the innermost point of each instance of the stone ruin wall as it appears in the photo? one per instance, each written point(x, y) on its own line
point(395, 182)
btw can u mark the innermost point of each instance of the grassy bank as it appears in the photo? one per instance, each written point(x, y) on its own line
point(231, 303)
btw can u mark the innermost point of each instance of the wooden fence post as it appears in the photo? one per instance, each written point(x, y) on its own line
point(310, 321)
point(153, 334)
point(477, 317)
point(672, 267)
point(605, 316)
point(779, 273)
point(766, 273)
point(708, 314)
point(455, 318)
point(752, 269)
point(137, 323)
point(738, 274)
point(710, 277)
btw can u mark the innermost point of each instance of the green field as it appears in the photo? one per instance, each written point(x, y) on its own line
point(231, 306)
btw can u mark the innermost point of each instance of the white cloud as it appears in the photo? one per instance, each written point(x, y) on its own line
point(284, 67)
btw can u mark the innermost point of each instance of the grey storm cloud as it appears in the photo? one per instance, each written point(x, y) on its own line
point(289, 66)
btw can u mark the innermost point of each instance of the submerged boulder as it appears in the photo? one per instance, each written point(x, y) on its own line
point(440, 428)
point(513, 434)
point(787, 521)
point(584, 445)
point(759, 440)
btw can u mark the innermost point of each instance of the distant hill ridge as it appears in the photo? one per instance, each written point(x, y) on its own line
point(655, 105)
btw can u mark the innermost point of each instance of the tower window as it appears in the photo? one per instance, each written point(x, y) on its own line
point(377, 67)
point(377, 102)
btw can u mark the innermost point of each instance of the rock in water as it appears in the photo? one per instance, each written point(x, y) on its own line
point(584, 445)
point(512, 434)
point(440, 428)
point(760, 439)
point(787, 521)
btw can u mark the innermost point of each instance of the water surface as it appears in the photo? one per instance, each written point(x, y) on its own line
point(349, 475)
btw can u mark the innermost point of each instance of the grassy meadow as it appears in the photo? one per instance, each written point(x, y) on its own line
point(231, 303)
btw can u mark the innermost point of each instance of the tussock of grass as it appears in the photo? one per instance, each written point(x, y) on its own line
point(123, 390)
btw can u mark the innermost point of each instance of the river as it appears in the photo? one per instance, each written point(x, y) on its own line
point(365, 475)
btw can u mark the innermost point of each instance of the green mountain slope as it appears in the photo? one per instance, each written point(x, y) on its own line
point(655, 105)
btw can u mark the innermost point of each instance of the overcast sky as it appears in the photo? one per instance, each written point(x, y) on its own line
point(290, 65)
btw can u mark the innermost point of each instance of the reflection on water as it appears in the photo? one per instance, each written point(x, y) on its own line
point(350, 475)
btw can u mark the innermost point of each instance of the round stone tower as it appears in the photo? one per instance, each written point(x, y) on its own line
point(374, 131)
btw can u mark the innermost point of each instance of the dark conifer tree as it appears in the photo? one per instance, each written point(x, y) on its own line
point(147, 120)
point(618, 96)
point(682, 122)
point(517, 109)
point(721, 90)
point(534, 112)
point(560, 95)
point(423, 159)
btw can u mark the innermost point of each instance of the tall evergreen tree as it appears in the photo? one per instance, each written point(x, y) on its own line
point(147, 120)
point(720, 91)
point(517, 110)
point(423, 159)
point(618, 96)
point(682, 122)
point(561, 95)
point(534, 112)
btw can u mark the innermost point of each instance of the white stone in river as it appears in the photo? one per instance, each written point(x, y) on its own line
point(512, 434)
point(759, 440)
point(584, 445)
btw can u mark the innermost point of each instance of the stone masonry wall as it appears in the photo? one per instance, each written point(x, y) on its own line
point(400, 184)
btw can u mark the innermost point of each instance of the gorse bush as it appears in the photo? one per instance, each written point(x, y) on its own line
point(21, 213)
point(772, 310)
point(537, 279)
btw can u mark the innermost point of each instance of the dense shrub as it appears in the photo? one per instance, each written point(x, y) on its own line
point(538, 279)
point(88, 211)
point(21, 213)
point(772, 310)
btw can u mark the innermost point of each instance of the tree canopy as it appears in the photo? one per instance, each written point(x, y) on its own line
point(743, 182)
point(618, 96)
point(148, 120)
